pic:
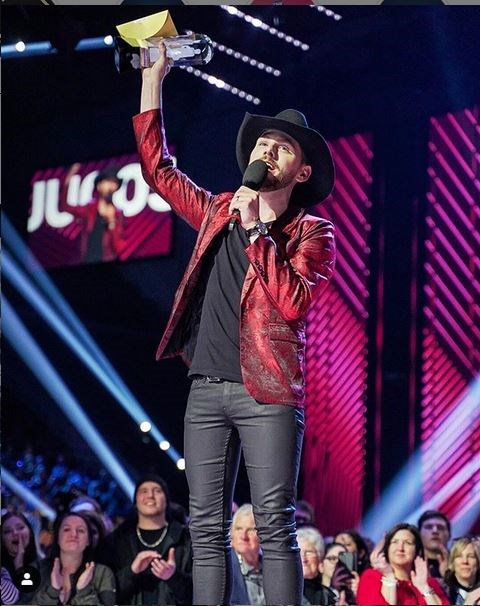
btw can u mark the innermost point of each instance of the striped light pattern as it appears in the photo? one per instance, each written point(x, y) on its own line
point(328, 12)
point(258, 23)
point(451, 336)
point(334, 452)
point(219, 83)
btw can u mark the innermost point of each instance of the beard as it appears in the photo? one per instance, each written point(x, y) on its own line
point(274, 183)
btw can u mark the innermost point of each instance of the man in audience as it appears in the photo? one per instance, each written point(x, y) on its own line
point(150, 554)
point(247, 560)
point(435, 530)
point(312, 551)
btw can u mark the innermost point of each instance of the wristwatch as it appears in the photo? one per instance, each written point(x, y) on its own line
point(260, 228)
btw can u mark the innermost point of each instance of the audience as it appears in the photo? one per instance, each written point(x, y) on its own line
point(463, 573)
point(150, 553)
point(57, 482)
point(148, 556)
point(10, 593)
point(304, 514)
point(335, 575)
point(434, 527)
point(246, 559)
point(400, 575)
point(355, 543)
point(18, 543)
point(70, 575)
point(312, 551)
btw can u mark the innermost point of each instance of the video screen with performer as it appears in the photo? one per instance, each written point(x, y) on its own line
point(95, 212)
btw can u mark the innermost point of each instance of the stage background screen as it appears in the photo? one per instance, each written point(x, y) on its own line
point(55, 235)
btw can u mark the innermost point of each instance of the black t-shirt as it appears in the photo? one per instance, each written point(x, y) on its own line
point(94, 251)
point(217, 351)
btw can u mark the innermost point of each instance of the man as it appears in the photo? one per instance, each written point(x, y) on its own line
point(312, 552)
point(238, 321)
point(435, 530)
point(247, 562)
point(150, 555)
point(102, 235)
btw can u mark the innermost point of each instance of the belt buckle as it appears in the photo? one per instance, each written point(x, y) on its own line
point(211, 379)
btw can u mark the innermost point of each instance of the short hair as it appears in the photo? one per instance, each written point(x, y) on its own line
point(243, 510)
point(458, 546)
point(308, 533)
point(404, 526)
point(433, 513)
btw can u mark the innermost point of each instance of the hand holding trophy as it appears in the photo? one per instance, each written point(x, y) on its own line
point(138, 45)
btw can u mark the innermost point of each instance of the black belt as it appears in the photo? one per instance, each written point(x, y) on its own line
point(209, 378)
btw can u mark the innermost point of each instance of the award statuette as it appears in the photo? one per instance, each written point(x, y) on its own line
point(137, 45)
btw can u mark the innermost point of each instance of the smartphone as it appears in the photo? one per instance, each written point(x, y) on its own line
point(349, 560)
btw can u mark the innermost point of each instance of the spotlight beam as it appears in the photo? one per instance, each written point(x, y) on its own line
point(26, 347)
point(27, 495)
point(81, 343)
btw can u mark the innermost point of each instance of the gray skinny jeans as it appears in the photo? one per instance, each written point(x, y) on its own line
point(220, 419)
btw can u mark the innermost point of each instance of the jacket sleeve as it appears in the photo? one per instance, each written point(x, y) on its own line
point(292, 283)
point(79, 212)
point(370, 589)
point(437, 587)
point(181, 584)
point(187, 199)
point(126, 584)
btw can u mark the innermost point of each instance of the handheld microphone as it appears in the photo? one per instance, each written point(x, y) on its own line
point(253, 177)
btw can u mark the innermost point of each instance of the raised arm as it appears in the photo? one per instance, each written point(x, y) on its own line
point(152, 80)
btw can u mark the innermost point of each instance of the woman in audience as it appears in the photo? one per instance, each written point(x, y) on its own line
point(18, 543)
point(335, 575)
point(71, 576)
point(10, 593)
point(400, 575)
point(463, 573)
point(355, 543)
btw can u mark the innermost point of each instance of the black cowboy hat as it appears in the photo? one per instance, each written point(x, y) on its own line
point(107, 173)
point(314, 147)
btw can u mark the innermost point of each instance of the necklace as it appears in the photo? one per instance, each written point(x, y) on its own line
point(156, 543)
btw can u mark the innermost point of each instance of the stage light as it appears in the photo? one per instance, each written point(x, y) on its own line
point(145, 426)
point(259, 24)
point(108, 40)
point(391, 508)
point(20, 46)
point(214, 81)
point(181, 464)
point(10, 51)
point(328, 12)
point(245, 58)
point(27, 495)
point(164, 445)
point(26, 347)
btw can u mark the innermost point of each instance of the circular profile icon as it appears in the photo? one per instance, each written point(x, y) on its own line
point(27, 579)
